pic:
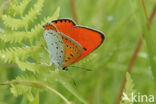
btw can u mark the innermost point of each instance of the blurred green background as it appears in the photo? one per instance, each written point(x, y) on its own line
point(130, 31)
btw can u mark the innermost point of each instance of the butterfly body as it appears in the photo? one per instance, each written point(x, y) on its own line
point(68, 43)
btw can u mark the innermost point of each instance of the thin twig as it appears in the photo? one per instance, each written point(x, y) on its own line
point(152, 15)
point(145, 10)
point(9, 65)
point(136, 51)
point(73, 10)
point(129, 68)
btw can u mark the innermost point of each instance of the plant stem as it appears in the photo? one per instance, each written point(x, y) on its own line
point(136, 51)
point(129, 68)
point(145, 10)
point(35, 84)
point(152, 14)
point(73, 10)
point(10, 65)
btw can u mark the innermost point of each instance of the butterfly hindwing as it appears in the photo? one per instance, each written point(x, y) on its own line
point(73, 50)
point(55, 47)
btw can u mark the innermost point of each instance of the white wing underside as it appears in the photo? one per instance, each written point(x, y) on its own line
point(55, 47)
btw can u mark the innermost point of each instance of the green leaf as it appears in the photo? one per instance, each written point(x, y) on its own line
point(128, 90)
point(18, 8)
point(25, 21)
point(36, 99)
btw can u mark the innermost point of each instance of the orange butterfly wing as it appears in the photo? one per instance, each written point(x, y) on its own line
point(73, 50)
point(88, 38)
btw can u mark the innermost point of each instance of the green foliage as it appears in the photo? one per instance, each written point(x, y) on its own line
point(129, 89)
point(25, 46)
point(23, 59)
point(150, 43)
point(24, 21)
point(23, 90)
point(26, 50)
point(27, 42)
point(18, 8)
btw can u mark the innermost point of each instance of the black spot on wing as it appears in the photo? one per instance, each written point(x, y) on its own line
point(85, 49)
point(71, 54)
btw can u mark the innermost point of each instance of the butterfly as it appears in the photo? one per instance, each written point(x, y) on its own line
point(68, 43)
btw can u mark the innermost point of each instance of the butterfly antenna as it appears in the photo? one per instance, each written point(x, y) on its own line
point(86, 69)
